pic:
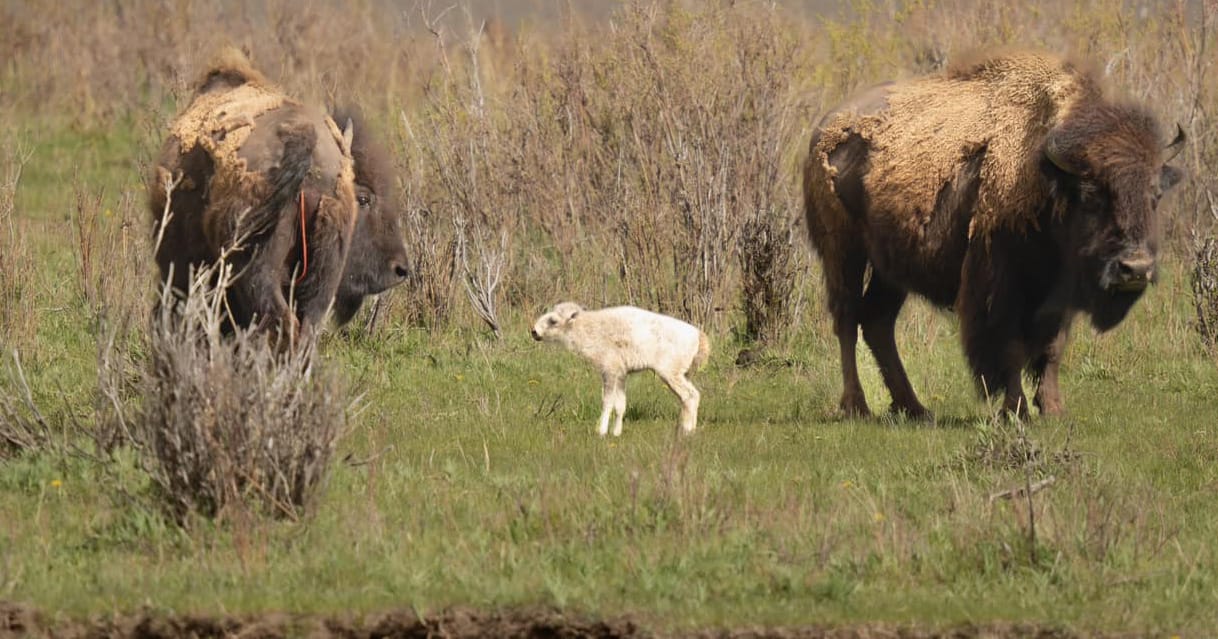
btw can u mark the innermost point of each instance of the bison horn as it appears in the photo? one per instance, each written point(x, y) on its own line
point(348, 135)
point(1058, 156)
point(1173, 149)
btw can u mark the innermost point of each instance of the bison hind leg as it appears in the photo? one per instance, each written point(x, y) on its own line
point(844, 281)
point(880, 307)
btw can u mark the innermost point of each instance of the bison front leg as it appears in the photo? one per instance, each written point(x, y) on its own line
point(989, 310)
point(324, 246)
point(1048, 394)
point(256, 293)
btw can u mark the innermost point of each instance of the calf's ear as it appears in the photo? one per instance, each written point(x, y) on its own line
point(1170, 177)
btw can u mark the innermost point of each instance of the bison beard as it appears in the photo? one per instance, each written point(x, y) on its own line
point(1009, 188)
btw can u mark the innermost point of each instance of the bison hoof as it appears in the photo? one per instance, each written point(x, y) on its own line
point(854, 407)
point(1050, 408)
point(916, 412)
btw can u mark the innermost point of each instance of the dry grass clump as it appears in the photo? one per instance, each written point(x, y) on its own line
point(1205, 290)
point(23, 428)
point(225, 421)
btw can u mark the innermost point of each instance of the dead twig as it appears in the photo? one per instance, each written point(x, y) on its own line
point(1028, 489)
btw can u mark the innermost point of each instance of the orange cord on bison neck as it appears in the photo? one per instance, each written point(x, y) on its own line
point(304, 242)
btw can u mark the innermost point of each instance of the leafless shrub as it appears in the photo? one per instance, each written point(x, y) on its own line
point(426, 298)
point(23, 428)
point(483, 278)
point(225, 421)
point(772, 266)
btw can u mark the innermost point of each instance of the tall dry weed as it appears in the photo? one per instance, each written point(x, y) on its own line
point(18, 313)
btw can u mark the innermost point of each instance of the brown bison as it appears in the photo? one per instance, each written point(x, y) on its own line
point(1009, 187)
point(307, 205)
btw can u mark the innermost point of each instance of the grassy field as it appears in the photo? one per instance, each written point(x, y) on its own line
point(471, 474)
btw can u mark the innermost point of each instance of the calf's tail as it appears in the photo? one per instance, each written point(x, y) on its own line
point(703, 352)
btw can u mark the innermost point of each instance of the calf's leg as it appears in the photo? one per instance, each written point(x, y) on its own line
point(614, 385)
point(685, 391)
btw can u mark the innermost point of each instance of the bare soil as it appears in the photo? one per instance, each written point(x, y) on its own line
point(17, 620)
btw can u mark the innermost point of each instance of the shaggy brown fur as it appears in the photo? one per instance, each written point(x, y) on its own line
point(246, 154)
point(1008, 186)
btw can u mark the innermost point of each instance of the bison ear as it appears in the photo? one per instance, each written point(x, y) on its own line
point(348, 135)
point(1169, 178)
point(1174, 147)
point(1058, 153)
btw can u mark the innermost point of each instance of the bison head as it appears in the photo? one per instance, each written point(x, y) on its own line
point(377, 259)
point(552, 325)
point(1109, 169)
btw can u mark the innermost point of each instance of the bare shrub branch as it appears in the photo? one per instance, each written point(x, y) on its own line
point(483, 278)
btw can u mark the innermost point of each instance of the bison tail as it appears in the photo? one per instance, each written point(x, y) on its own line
point(298, 139)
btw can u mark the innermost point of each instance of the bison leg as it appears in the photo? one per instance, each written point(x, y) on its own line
point(1014, 401)
point(258, 287)
point(328, 238)
point(881, 306)
point(1045, 368)
point(844, 279)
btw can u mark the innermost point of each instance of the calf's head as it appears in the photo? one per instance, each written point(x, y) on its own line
point(1109, 169)
point(553, 324)
point(377, 259)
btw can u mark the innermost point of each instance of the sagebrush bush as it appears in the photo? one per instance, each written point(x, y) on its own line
point(222, 421)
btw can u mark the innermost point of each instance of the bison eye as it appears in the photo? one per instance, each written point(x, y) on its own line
point(363, 200)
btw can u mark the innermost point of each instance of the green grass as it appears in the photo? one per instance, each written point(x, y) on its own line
point(487, 485)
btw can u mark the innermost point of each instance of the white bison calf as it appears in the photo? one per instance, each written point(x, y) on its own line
point(625, 339)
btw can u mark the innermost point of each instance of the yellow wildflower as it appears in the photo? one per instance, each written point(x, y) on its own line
point(847, 484)
point(55, 483)
point(878, 517)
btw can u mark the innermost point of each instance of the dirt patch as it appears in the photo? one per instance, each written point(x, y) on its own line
point(456, 623)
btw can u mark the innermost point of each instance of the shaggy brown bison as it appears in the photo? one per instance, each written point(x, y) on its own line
point(1009, 187)
point(307, 205)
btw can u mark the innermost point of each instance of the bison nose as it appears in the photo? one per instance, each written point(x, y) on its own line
point(1134, 271)
point(533, 332)
point(400, 269)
